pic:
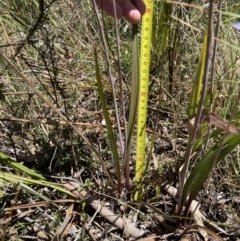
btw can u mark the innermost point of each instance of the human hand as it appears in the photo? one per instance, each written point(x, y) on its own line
point(131, 11)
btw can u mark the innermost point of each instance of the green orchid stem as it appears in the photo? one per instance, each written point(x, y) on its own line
point(134, 99)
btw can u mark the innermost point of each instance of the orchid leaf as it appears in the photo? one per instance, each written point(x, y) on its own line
point(203, 168)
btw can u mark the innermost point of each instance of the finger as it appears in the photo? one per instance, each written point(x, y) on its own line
point(131, 12)
point(107, 6)
point(140, 6)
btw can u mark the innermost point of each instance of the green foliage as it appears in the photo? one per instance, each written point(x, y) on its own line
point(108, 123)
point(203, 168)
point(197, 83)
point(88, 183)
point(16, 178)
point(18, 166)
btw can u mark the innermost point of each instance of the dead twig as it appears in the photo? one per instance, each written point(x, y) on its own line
point(103, 211)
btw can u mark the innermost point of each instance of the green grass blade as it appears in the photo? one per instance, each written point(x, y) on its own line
point(18, 166)
point(197, 84)
point(108, 122)
point(35, 193)
point(16, 178)
point(162, 28)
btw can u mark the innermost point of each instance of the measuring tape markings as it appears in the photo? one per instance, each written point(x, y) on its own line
point(145, 55)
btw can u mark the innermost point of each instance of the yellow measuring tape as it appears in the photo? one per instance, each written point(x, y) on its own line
point(145, 55)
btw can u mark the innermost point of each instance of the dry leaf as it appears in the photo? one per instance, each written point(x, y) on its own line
point(220, 122)
point(214, 120)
